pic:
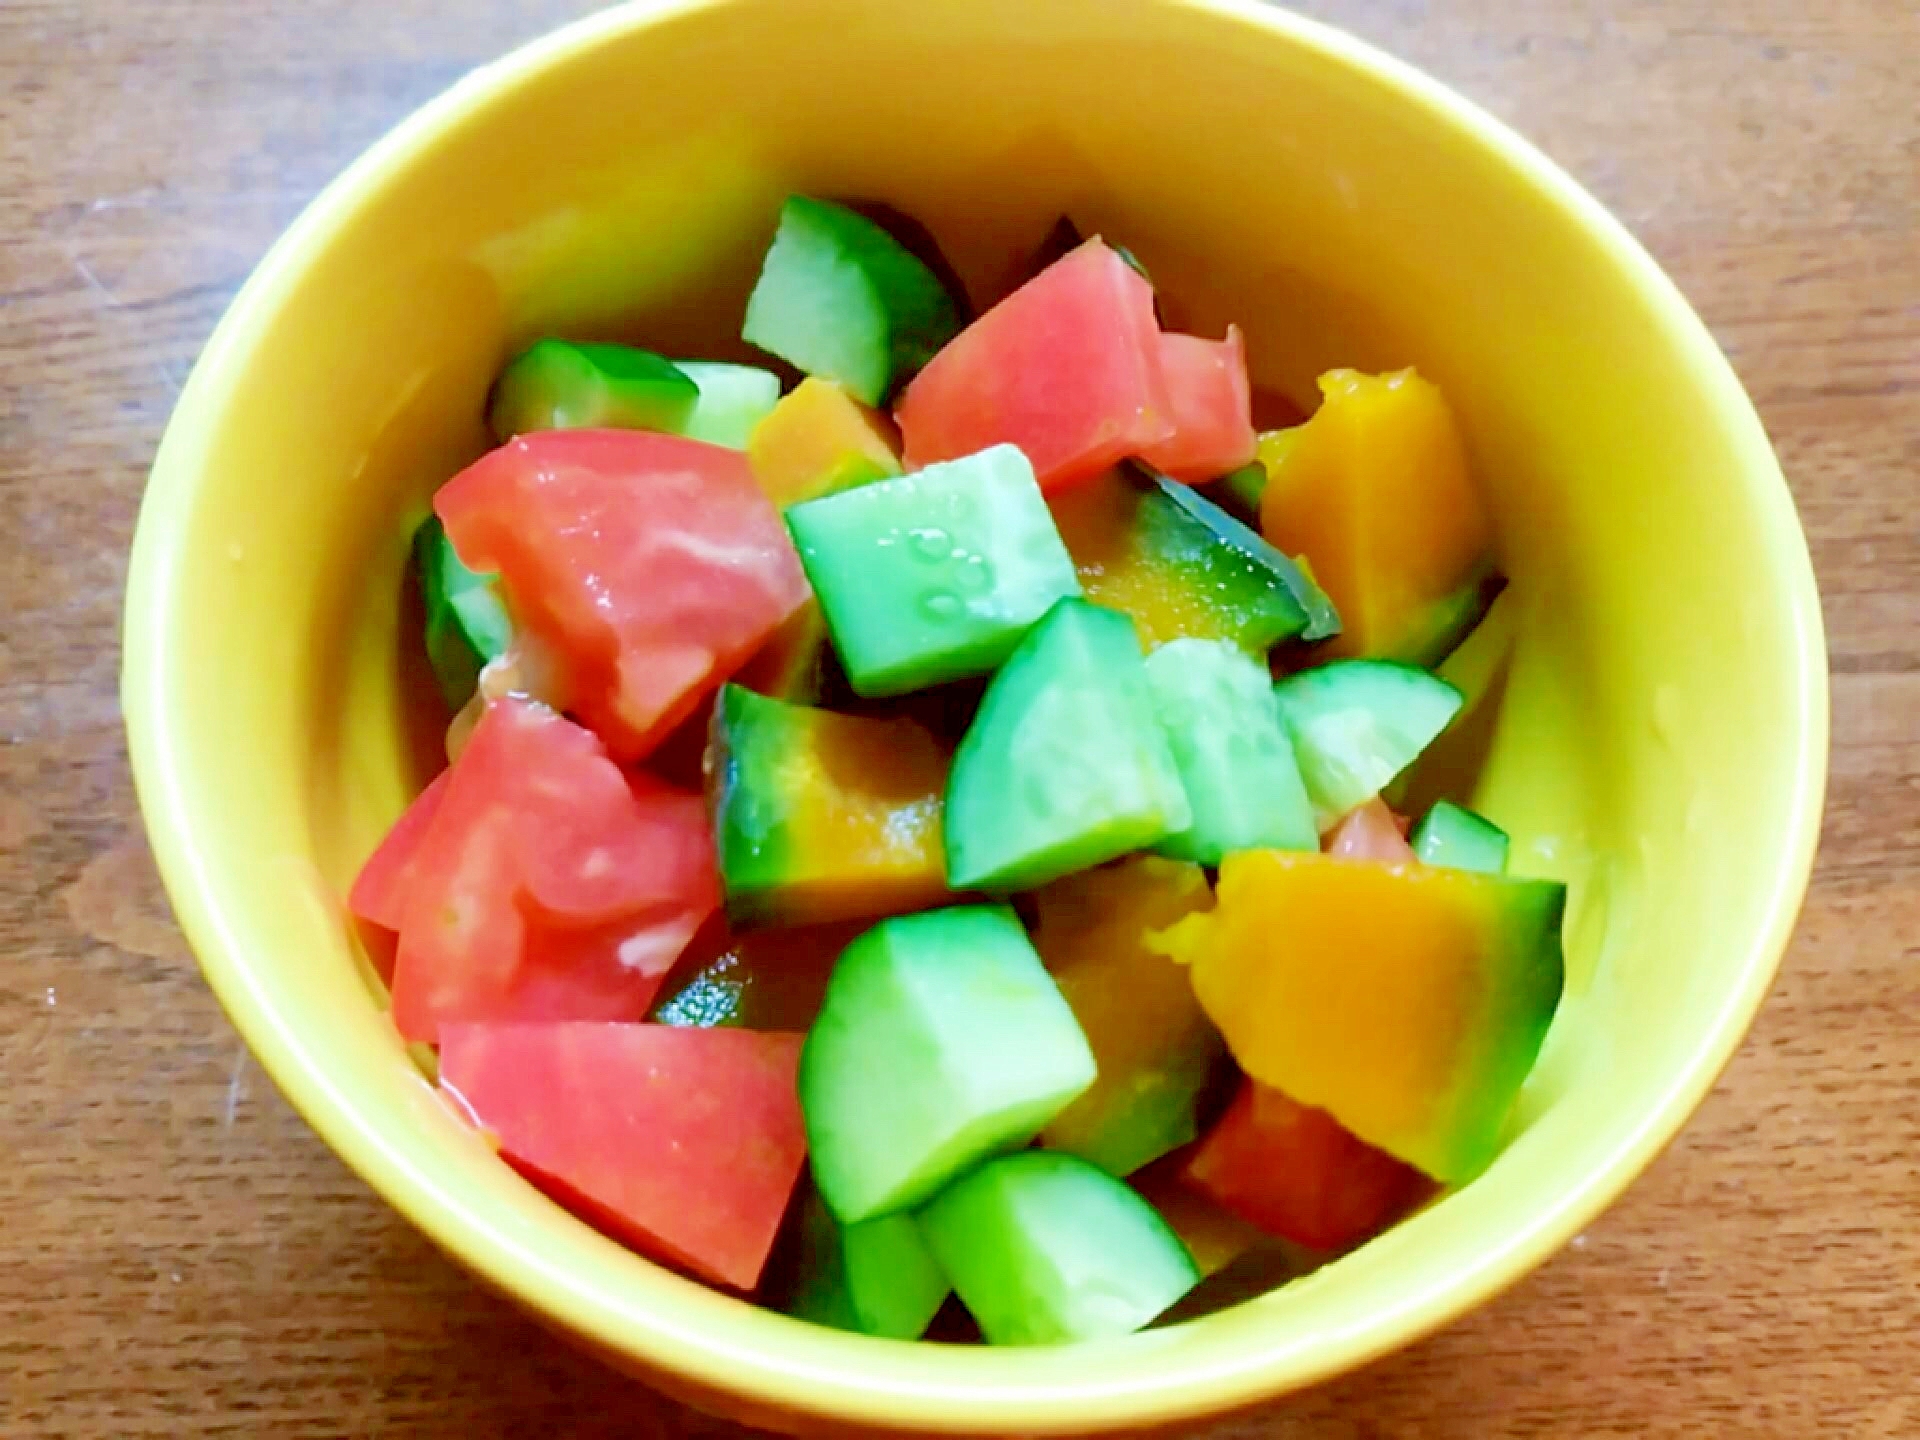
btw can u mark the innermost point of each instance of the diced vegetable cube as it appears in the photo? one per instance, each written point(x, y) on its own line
point(1155, 1048)
point(685, 1142)
point(1409, 1002)
point(935, 575)
point(1236, 763)
point(942, 1041)
point(1045, 1248)
point(1065, 765)
point(840, 298)
point(820, 816)
point(1067, 367)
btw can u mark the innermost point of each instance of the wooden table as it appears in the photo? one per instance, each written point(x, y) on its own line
point(179, 1255)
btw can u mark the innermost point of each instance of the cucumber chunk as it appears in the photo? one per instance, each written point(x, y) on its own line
point(840, 298)
point(1065, 765)
point(1045, 1248)
point(942, 1040)
point(877, 1278)
point(1455, 837)
point(732, 400)
point(467, 623)
point(1355, 724)
point(1236, 764)
point(558, 385)
point(935, 575)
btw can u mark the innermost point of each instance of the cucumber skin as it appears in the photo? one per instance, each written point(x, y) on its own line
point(1046, 1248)
point(911, 313)
point(1457, 838)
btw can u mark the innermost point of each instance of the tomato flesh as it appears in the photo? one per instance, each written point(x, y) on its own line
point(1296, 1172)
point(379, 893)
point(549, 885)
point(684, 1142)
point(653, 565)
point(1067, 367)
point(1370, 832)
point(1212, 404)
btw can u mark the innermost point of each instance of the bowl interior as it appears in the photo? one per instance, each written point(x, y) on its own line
point(1665, 689)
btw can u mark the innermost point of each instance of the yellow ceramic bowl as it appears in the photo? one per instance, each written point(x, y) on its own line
point(1660, 743)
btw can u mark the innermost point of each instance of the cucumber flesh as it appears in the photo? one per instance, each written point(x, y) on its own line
point(840, 298)
point(942, 1040)
point(936, 575)
point(1455, 837)
point(876, 1278)
point(559, 385)
point(1231, 748)
point(1065, 765)
point(1045, 1248)
point(1356, 724)
point(733, 399)
point(467, 622)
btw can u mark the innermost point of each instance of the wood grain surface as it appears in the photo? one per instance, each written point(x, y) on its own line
point(179, 1255)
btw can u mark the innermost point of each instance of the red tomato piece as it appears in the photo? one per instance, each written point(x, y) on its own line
point(550, 886)
point(379, 893)
point(1067, 368)
point(1370, 832)
point(1296, 1172)
point(654, 565)
point(685, 1143)
point(1212, 404)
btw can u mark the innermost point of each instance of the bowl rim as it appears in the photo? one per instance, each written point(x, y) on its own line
point(964, 1396)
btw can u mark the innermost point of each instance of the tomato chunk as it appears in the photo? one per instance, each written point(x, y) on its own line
point(1067, 367)
point(1297, 1173)
point(1370, 832)
point(549, 886)
point(654, 565)
point(379, 893)
point(685, 1143)
point(1212, 404)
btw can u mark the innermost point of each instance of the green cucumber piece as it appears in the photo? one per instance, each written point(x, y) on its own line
point(875, 1278)
point(942, 1040)
point(935, 575)
point(1045, 1248)
point(559, 385)
point(840, 298)
point(1065, 765)
point(1236, 763)
point(733, 399)
point(1455, 837)
point(1356, 724)
point(467, 622)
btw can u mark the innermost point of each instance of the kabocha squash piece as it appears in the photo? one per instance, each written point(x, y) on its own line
point(819, 816)
point(1409, 1002)
point(819, 440)
point(1376, 492)
point(1155, 1048)
point(1178, 564)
